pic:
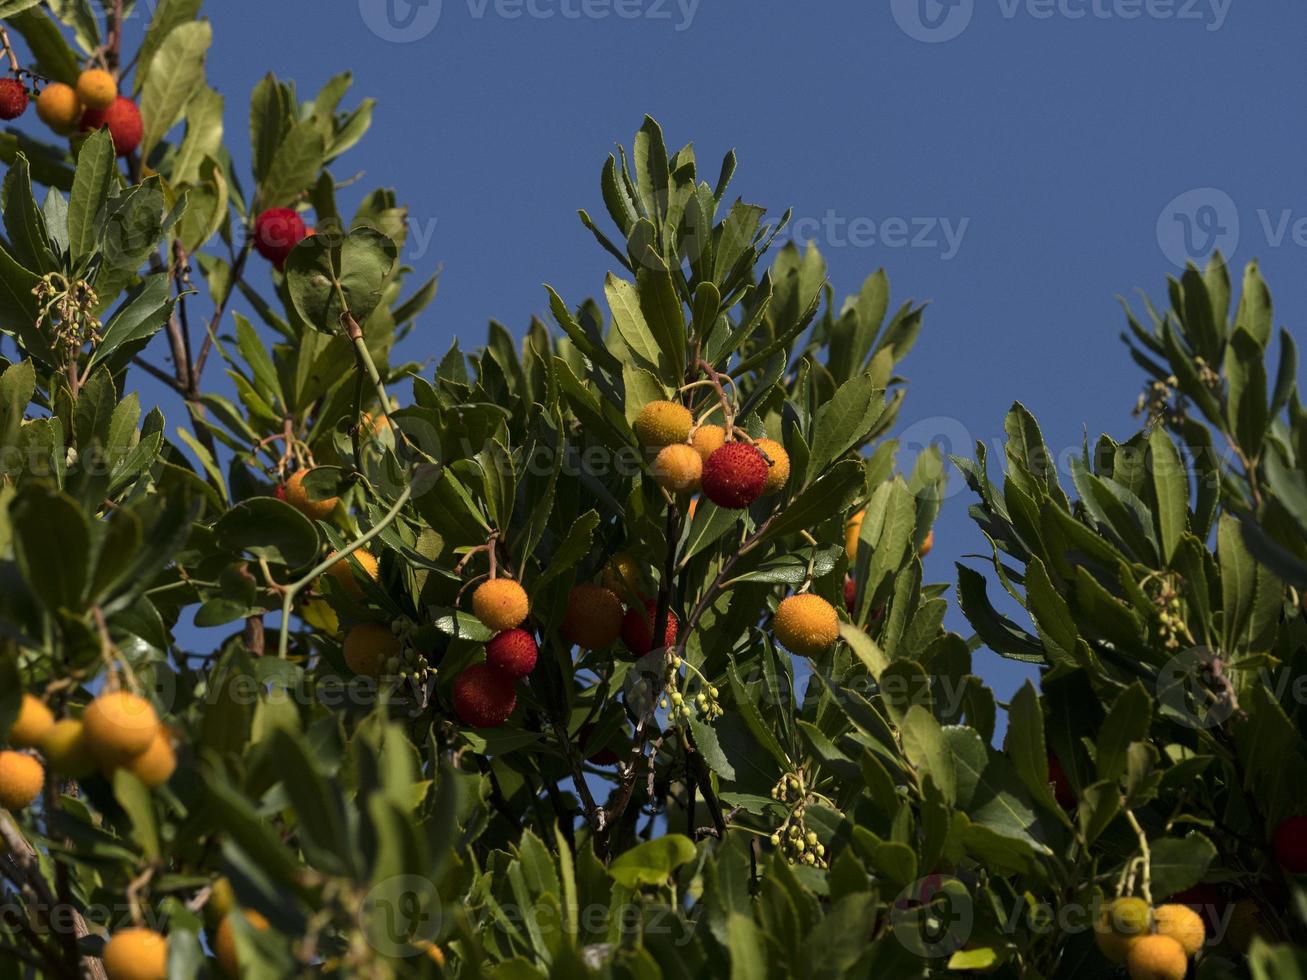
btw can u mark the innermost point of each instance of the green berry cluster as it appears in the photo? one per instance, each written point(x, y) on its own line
point(799, 844)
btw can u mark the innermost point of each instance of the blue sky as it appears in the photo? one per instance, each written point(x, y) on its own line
point(1041, 154)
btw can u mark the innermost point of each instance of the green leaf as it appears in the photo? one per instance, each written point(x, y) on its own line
point(1256, 313)
point(294, 168)
point(134, 797)
point(748, 949)
point(52, 542)
point(1171, 485)
point(1238, 580)
point(175, 75)
point(652, 862)
point(144, 313)
point(1026, 746)
point(844, 422)
point(96, 170)
point(1127, 722)
point(1246, 412)
point(927, 749)
point(168, 15)
point(24, 221)
point(55, 58)
point(270, 529)
point(361, 265)
point(1179, 863)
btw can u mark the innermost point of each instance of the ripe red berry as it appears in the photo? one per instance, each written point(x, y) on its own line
point(512, 653)
point(850, 594)
point(13, 98)
point(483, 697)
point(735, 476)
point(638, 627)
point(1062, 790)
point(276, 233)
point(123, 120)
point(1291, 845)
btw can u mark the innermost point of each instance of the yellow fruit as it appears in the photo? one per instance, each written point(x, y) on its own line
point(663, 423)
point(222, 900)
point(1156, 958)
point(224, 943)
point(678, 468)
point(136, 954)
point(96, 88)
point(707, 440)
point(343, 571)
point(778, 473)
point(1120, 924)
point(21, 779)
point(436, 955)
point(32, 725)
point(806, 624)
point(297, 496)
point(927, 544)
point(368, 424)
point(500, 604)
point(58, 107)
point(156, 764)
point(118, 727)
point(1182, 924)
point(367, 648)
point(622, 574)
point(851, 531)
point(66, 750)
point(593, 620)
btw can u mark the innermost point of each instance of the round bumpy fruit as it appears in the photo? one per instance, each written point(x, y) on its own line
point(57, 106)
point(13, 98)
point(155, 765)
point(118, 727)
point(123, 121)
point(513, 653)
point(33, 724)
point(927, 544)
point(1120, 924)
point(1156, 958)
point(678, 468)
point(21, 779)
point(778, 473)
point(638, 628)
point(66, 750)
point(593, 620)
point(97, 88)
point(224, 942)
point(295, 494)
point(735, 476)
point(367, 648)
point(707, 439)
point(806, 624)
point(483, 697)
point(852, 531)
point(622, 574)
point(500, 604)
point(1290, 845)
point(136, 954)
point(276, 233)
point(1182, 924)
point(343, 571)
point(663, 423)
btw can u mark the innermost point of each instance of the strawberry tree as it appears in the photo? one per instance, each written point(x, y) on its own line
point(602, 649)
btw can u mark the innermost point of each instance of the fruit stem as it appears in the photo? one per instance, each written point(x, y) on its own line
point(1146, 860)
point(369, 366)
point(294, 589)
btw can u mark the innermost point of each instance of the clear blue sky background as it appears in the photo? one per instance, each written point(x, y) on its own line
point(1059, 140)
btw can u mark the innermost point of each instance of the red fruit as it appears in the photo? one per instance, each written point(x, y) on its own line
point(1291, 845)
point(124, 122)
point(637, 628)
point(13, 98)
point(483, 697)
point(1062, 790)
point(276, 233)
point(735, 475)
point(850, 594)
point(512, 653)
point(600, 757)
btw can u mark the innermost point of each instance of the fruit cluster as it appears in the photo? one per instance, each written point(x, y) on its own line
point(1152, 943)
point(93, 103)
point(796, 842)
point(118, 730)
point(485, 693)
